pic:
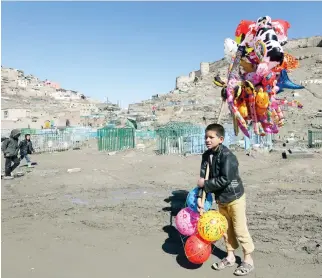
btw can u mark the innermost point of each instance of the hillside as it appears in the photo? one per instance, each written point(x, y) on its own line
point(28, 91)
point(46, 100)
point(195, 99)
point(200, 101)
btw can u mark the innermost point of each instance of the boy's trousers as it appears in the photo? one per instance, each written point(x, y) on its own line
point(235, 213)
point(8, 167)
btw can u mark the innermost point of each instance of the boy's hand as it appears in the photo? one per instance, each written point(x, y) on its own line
point(200, 206)
point(201, 182)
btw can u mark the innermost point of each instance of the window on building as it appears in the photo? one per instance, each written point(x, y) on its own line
point(6, 114)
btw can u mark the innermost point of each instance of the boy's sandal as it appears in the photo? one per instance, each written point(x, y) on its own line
point(223, 264)
point(244, 269)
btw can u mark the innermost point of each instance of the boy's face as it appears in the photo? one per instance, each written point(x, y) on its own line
point(28, 137)
point(212, 140)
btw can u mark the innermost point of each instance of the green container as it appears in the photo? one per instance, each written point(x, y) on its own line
point(145, 134)
point(315, 138)
point(115, 139)
point(180, 138)
point(30, 131)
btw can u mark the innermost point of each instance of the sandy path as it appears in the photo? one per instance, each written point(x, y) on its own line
point(114, 217)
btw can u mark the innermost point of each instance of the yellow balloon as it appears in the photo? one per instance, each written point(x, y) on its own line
point(212, 225)
point(238, 39)
point(47, 124)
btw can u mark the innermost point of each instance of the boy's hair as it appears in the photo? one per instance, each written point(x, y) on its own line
point(219, 129)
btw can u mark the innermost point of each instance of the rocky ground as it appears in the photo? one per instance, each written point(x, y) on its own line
point(114, 217)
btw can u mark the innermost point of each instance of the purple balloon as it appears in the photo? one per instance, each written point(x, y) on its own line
point(186, 221)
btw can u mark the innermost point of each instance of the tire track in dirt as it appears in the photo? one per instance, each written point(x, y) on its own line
point(298, 231)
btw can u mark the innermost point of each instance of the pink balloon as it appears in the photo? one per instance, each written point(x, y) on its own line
point(186, 221)
point(262, 69)
point(253, 77)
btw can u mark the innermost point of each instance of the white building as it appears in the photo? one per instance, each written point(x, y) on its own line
point(22, 83)
point(87, 109)
point(62, 94)
point(14, 114)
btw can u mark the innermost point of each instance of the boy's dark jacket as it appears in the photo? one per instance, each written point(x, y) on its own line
point(10, 145)
point(224, 180)
point(26, 147)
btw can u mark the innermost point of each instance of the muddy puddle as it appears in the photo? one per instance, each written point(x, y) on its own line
point(115, 197)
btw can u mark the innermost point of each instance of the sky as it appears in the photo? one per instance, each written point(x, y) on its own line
point(129, 51)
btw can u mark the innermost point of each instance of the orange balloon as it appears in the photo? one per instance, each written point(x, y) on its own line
point(197, 249)
point(289, 63)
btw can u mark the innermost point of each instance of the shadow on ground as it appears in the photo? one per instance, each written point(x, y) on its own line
point(174, 244)
point(26, 165)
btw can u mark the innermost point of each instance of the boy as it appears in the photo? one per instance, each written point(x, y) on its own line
point(26, 148)
point(10, 149)
point(225, 183)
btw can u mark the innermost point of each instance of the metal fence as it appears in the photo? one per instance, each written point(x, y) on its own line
point(145, 134)
point(5, 132)
point(315, 138)
point(50, 140)
point(82, 133)
point(189, 144)
point(86, 132)
point(264, 142)
point(115, 139)
point(230, 137)
point(185, 138)
point(180, 138)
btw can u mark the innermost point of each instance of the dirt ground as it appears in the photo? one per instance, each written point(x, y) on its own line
point(114, 217)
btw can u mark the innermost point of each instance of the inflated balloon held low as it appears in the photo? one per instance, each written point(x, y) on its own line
point(191, 201)
point(201, 231)
point(212, 225)
point(197, 250)
point(186, 221)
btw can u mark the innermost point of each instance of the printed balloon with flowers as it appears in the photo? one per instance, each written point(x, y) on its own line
point(202, 230)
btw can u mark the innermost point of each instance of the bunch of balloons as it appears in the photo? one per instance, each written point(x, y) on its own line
point(202, 230)
point(257, 73)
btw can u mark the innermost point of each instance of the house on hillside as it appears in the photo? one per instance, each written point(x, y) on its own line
point(87, 109)
point(51, 84)
point(15, 118)
point(14, 114)
point(22, 83)
point(68, 118)
point(93, 120)
point(62, 94)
